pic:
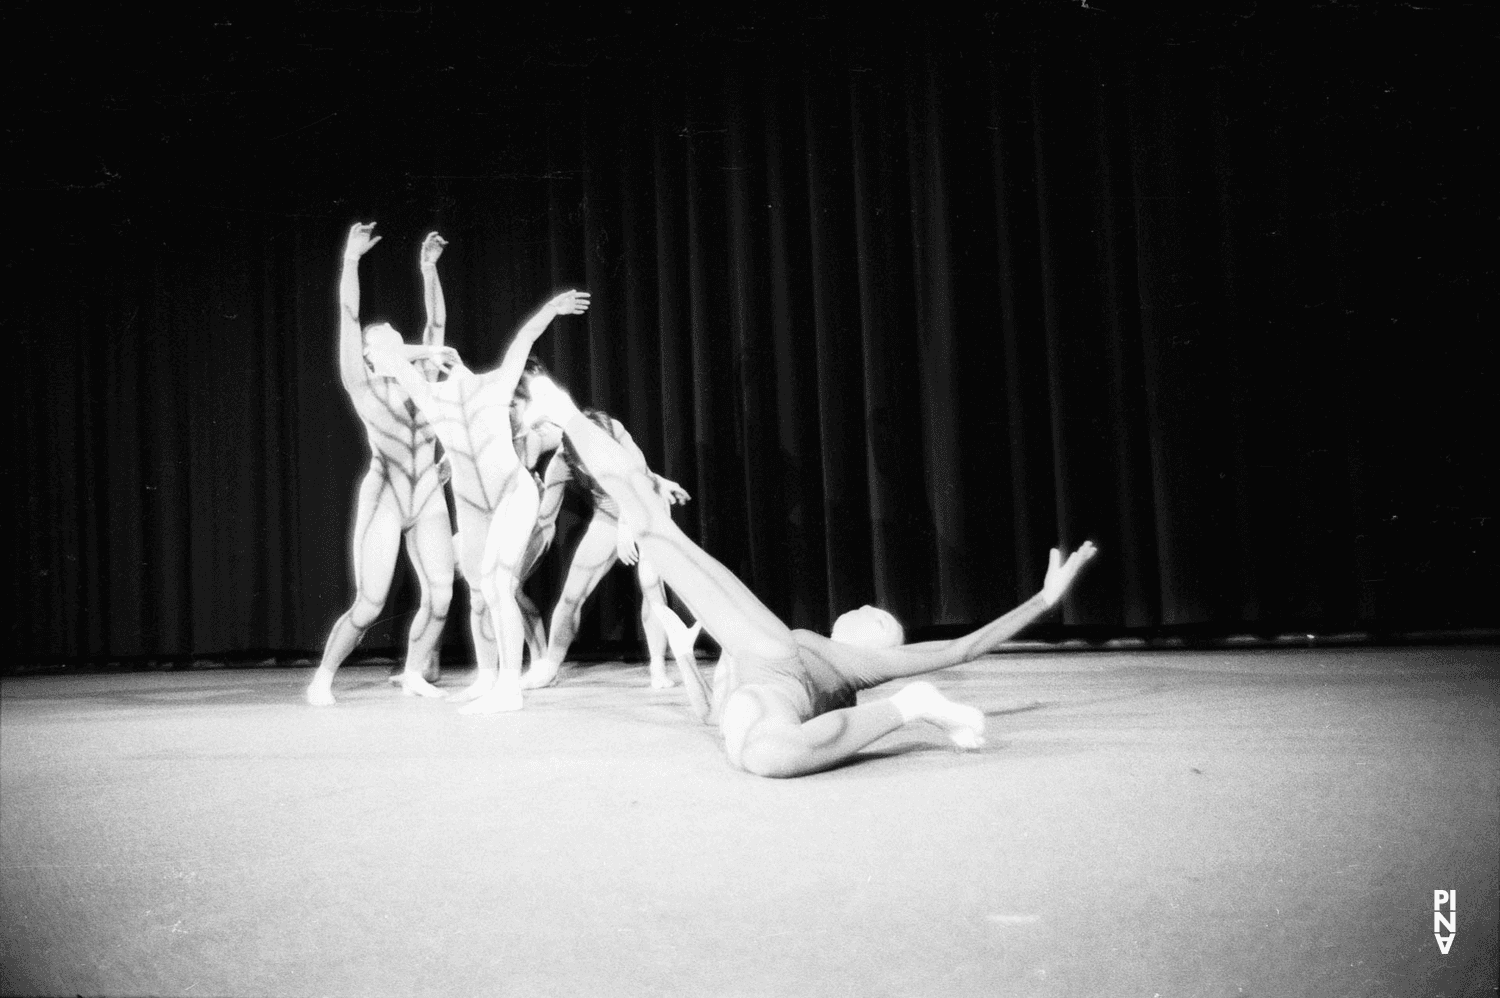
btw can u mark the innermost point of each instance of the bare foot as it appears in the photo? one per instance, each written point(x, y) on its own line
point(320, 691)
point(414, 684)
point(681, 639)
point(659, 678)
point(481, 685)
point(505, 696)
point(922, 702)
point(542, 673)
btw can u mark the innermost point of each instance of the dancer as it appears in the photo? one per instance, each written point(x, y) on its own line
point(495, 493)
point(432, 336)
point(785, 703)
point(481, 633)
point(400, 495)
point(605, 542)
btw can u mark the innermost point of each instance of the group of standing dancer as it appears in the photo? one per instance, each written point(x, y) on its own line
point(784, 700)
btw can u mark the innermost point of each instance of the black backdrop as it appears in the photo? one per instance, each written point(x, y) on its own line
point(902, 300)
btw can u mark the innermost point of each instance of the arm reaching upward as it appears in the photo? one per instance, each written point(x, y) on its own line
point(351, 341)
point(508, 374)
point(432, 290)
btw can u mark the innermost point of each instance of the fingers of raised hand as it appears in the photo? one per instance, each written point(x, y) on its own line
point(571, 302)
point(1085, 551)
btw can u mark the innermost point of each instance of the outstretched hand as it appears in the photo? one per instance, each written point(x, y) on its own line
point(432, 248)
point(675, 493)
point(1061, 574)
point(360, 239)
point(570, 303)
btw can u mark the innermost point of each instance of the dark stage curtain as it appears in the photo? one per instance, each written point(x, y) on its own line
point(902, 302)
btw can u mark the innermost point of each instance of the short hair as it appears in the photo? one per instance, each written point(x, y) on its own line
point(846, 623)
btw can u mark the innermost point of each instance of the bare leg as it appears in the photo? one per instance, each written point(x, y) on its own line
point(682, 639)
point(737, 619)
point(592, 560)
point(430, 548)
point(764, 735)
point(763, 730)
point(532, 627)
point(755, 723)
point(653, 595)
point(470, 543)
point(486, 649)
point(505, 550)
point(377, 537)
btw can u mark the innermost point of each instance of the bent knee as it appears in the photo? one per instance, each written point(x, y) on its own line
point(762, 734)
point(771, 757)
point(500, 587)
point(365, 612)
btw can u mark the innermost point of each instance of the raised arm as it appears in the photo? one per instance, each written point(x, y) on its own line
point(432, 291)
point(351, 342)
point(508, 374)
point(1060, 578)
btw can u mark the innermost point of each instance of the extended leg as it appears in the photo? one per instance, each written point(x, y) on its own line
point(737, 619)
point(592, 560)
point(505, 550)
point(682, 638)
point(430, 548)
point(764, 735)
point(377, 537)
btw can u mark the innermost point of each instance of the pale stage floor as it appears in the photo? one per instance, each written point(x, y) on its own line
point(1178, 823)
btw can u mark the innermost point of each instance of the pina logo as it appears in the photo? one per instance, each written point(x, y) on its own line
point(1444, 923)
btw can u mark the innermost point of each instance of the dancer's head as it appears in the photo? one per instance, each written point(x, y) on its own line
point(868, 627)
point(382, 336)
point(534, 369)
point(533, 436)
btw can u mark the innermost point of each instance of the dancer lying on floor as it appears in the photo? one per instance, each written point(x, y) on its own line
point(786, 702)
point(401, 493)
point(605, 542)
point(495, 494)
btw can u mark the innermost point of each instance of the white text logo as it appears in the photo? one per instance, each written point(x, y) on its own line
point(1444, 923)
